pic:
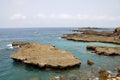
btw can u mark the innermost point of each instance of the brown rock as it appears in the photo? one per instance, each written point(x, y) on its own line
point(103, 74)
point(90, 62)
point(20, 44)
point(94, 36)
point(108, 51)
point(91, 48)
point(117, 31)
point(45, 56)
point(55, 78)
point(118, 70)
point(86, 79)
point(117, 78)
point(63, 77)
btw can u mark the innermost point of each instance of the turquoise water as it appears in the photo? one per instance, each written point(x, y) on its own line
point(10, 70)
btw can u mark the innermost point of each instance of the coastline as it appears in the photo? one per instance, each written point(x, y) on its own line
point(51, 37)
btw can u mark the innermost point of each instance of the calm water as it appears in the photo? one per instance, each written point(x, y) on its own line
point(10, 70)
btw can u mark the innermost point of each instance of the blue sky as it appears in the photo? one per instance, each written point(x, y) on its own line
point(59, 13)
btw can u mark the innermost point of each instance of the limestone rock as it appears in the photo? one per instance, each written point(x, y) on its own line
point(94, 36)
point(103, 74)
point(45, 56)
point(20, 44)
point(108, 51)
point(117, 31)
point(90, 62)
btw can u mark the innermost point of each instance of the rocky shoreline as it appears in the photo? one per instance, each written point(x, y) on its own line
point(103, 75)
point(94, 36)
point(108, 51)
point(48, 56)
point(44, 56)
point(88, 28)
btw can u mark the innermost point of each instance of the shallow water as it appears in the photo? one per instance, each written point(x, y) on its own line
point(10, 70)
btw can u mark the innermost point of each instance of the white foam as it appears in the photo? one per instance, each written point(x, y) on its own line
point(57, 77)
point(59, 37)
point(9, 45)
point(96, 78)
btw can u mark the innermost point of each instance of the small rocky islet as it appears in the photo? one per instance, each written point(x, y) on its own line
point(44, 56)
point(108, 51)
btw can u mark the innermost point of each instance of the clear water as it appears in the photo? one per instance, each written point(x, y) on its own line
point(10, 70)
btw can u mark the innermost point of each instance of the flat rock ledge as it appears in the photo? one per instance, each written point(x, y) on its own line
point(108, 51)
point(45, 56)
point(20, 44)
point(94, 36)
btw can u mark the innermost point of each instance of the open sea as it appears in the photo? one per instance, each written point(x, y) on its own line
point(10, 70)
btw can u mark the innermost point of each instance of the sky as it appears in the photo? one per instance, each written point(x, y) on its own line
point(59, 13)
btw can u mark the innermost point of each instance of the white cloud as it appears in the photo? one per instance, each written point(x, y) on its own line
point(77, 17)
point(18, 17)
point(105, 18)
point(65, 16)
point(41, 16)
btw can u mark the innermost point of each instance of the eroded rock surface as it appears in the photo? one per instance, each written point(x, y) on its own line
point(109, 51)
point(94, 36)
point(117, 31)
point(20, 44)
point(45, 56)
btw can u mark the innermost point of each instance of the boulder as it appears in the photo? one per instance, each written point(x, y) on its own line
point(103, 74)
point(117, 31)
point(90, 62)
point(45, 56)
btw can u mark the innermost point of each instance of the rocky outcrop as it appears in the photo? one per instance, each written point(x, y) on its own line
point(94, 36)
point(90, 62)
point(117, 31)
point(20, 44)
point(91, 28)
point(92, 32)
point(108, 51)
point(104, 75)
point(91, 38)
point(45, 56)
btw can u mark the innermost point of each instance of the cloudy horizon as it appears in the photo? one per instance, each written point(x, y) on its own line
point(63, 13)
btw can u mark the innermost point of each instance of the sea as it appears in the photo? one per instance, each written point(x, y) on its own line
point(10, 70)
